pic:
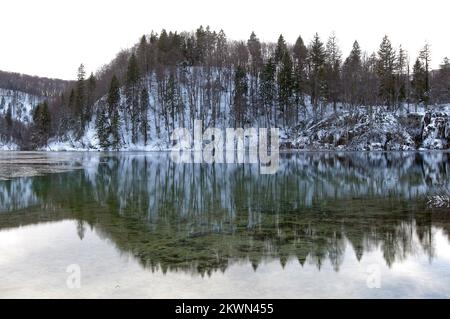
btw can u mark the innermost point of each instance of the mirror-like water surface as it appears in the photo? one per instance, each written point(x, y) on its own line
point(356, 225)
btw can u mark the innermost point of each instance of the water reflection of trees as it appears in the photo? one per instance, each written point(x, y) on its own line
point(202, 217)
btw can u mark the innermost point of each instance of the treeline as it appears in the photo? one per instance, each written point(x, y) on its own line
point(180, 77)
point(39, 86)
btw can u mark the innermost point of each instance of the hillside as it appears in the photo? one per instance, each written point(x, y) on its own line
point(19, 96)
point(318, 99)
point(33, 85)
point(16, 112)
point(341, 130)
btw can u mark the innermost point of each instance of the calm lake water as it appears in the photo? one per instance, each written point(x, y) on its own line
point(351, 225)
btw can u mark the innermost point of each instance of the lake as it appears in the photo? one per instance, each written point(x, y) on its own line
point(123, 225)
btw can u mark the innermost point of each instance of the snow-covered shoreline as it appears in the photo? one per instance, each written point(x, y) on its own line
point(382, 131)
point(341, 129)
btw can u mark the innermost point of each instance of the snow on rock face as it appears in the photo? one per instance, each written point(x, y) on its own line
point(21, 105)
point(357, 131)
point(8, 146)
point(413, 126)
point(436, 131)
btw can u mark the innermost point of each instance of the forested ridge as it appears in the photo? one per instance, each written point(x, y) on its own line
point(170, 79)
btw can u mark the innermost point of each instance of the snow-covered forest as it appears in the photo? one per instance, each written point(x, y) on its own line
point(320, 97)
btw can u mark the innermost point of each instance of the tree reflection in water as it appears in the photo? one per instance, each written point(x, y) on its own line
point(201, 218)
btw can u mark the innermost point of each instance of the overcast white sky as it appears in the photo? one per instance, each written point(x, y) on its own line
point(52, 37)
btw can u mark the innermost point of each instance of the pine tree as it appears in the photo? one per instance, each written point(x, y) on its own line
point(369, 85)
point(142, 54)
point(91, 86)
point(240, 96)
point(70, 123)
point(102, 127)
point(386, 68)
point(132, 95)
point(419, 82)
point(46, 121)
point(316, 67)
point(144, 114)
point(80, 99)
point(401, 76)
point(222, 49)
point(333, 71)
point(8, 118)
point(441, 83)
point(41, 124)
point(113, 98)
point(425, 57)
point(300, 54)
point(254, 48)
point(113, 101)
point(72, 102)
point(115, 129)
point(281, 49)
point(352, 82)
point(285, 88)
point(267, 89)
point(171, 99)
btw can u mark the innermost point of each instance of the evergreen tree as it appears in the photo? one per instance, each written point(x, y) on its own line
point(41, 124)
point(441, 83)
point(333, 71)
point(419, 82)
point(8, 117)
point(91, 86)
point(285, 88)
point(425, 57)
point(300, 54)
point(102, 127)
point(80, 99)
point(369, 82)
point(267, 89)
point(142, 54)
point(281, 49)
point(132, 95)
point(222, 49)
point(352, 82)
point(386, 68)
point(254, 48)
point(72, 114)
point(72, 99)
point(401, 76)
point(316, 68)
point(144, 114)
point(113, 101)
point(240, 96)
point(171, 98)
point(115, 129)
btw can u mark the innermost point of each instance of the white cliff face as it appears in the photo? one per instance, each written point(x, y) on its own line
point(436, 130)
point(377, 131)
point(20, 104)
